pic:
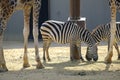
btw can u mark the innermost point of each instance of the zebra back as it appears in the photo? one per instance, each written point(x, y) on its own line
point(78, 33)
point(102, 32)
point(51, 30)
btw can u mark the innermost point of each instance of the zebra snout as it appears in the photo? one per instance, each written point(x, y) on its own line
point(95, 57)
point(89, 58)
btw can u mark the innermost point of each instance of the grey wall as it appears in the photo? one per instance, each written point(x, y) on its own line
point(15, 25)
point(96, 11)
point(59, 9)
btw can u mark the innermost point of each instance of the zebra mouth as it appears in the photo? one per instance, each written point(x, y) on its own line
point(88, 58)
point(95, 58)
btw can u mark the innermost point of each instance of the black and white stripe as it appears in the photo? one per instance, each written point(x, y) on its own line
point(68, 32)
point(102, 33)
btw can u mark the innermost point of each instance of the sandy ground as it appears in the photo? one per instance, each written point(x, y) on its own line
point(60, 68)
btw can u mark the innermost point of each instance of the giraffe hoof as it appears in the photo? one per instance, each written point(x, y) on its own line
point(40, 66)
point(26, 65)
point(108, 61)
point(3, 70)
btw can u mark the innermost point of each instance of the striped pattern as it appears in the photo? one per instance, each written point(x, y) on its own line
point(62, 33)
point(51, 30)
point(102, 33)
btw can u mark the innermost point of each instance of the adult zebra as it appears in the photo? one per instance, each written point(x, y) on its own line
point(68, 32)
point(102, 33)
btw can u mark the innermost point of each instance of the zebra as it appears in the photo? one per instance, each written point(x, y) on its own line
point(67, 32)
point(102, 33)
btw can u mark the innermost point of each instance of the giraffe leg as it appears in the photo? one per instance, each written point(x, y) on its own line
point(108, 58)
point(35, 34)
point(4, 16)
point(3, 67)
point(109, 55)
point(117, 48)
point(36, 9)
point(112, 31)
point(27, 10)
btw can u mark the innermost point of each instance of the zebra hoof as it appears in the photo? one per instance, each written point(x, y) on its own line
point(118, 58)
point(81, 59)
point(44, 59)
point(49, 60)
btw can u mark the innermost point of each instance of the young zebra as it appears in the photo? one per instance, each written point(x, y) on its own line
point(102, 33)
point(67, 32)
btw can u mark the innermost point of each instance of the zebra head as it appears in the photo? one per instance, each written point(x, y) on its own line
point(91, 53)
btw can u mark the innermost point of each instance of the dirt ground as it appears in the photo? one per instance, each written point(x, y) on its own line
point(60, 68)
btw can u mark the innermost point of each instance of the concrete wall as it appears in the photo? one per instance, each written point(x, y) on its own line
point(96, 11)
point(15, 26)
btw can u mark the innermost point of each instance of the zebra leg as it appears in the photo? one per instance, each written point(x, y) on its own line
point(47, 52)
point(44, 49)
point(46, 45)
point(117, 48)
point(79, 51)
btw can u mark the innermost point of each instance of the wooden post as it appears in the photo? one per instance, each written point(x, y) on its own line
point(75, 17)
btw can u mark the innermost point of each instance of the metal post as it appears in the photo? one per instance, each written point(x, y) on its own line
point(75, 16)
point(75, 9)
